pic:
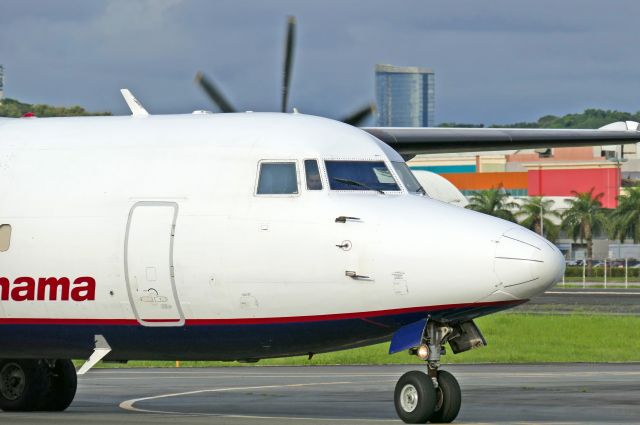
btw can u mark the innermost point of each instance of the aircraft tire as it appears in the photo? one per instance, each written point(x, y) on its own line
point(23, 383)
point(449, 399)
point(62, 387)
point(415, 397)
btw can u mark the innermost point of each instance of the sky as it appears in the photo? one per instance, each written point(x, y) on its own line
point(495, 61)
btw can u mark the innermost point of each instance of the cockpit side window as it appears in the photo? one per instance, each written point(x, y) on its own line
point(408, 178)
point(360, 175)
point(277, 178)
point(312, 173)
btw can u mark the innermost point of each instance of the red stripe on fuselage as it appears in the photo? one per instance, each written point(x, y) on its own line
point(261, 320)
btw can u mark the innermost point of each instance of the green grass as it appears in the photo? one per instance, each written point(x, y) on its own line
point(512, 338)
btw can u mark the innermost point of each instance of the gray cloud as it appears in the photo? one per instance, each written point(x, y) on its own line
point(499, 61)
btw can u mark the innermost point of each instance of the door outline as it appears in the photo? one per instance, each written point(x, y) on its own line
point(143, 322)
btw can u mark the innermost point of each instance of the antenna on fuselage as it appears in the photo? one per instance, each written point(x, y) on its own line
point(137, 110)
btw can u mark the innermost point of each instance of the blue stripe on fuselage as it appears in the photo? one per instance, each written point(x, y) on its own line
point(217, 342)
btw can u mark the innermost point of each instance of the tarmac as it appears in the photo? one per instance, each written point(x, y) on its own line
point(559, 300)
point(328, 395)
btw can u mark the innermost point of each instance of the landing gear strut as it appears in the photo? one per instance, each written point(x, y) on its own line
point(435, 396)
point(36, 385)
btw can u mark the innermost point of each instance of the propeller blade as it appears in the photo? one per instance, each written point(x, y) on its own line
point(288, 60)
point(214, 94)
point(360, 115)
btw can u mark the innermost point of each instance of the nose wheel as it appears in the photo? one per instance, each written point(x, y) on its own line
point(418, 400)
point(448, 399)
point(415, 397)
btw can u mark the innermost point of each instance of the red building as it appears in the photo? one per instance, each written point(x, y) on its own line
point(561, 178)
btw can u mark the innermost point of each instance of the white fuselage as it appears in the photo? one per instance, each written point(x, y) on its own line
point(162, 213)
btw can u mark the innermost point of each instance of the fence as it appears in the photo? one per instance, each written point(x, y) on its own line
point(607, 272)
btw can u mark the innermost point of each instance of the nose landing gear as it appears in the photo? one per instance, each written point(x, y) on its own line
point(434, 396)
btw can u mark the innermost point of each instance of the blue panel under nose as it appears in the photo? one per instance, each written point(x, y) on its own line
point(408, 336)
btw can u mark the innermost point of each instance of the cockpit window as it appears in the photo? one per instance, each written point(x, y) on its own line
point(312, 174)
point(277, 178)
point(360, 175)
point(408, 179)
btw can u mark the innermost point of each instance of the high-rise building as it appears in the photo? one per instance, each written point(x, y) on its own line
point(405, 96)
point(1, 83)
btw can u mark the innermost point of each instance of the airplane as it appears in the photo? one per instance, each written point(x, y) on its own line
point(245, 236)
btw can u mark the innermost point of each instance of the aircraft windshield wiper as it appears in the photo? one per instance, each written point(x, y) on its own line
point(421, 190)
point(356, 183)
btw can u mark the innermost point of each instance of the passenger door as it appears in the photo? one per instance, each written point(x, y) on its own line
point(149, 263)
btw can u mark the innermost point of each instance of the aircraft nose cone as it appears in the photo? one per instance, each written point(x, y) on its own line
point(526, 264)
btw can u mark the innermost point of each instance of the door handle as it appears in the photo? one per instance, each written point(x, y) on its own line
point(345, 245)
point(344, 219)
point(355, 275)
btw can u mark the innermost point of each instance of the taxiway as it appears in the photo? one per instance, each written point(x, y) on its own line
point(559, 300)
point(552, 393)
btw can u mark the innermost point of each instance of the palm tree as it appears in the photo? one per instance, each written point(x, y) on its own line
point(625, 220)
point(493, 202)
point(584, 217)
point(537, 214)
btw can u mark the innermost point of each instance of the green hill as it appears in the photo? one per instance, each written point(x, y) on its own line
point(590, 118)
point(15, 109)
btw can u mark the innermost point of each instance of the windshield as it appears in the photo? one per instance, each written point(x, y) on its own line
point(408, 178)
point(360, 175)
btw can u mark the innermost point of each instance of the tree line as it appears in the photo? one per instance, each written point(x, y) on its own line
point(590, 118)
point(584, 218)
point(15, 109)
